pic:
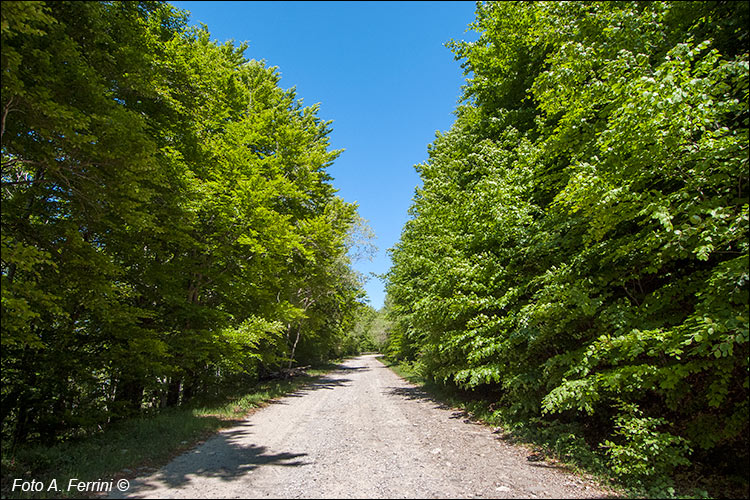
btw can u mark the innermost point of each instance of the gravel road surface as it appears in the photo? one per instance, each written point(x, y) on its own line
point(359, 432)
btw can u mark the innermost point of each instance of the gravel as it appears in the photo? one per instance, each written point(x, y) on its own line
point(359, 432)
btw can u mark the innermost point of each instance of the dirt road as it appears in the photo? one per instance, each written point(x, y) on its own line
point(359, 432)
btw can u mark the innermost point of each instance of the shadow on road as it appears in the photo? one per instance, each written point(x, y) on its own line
point(325, 382)
point(224, 456)
point(545, 465)
point(342, 368)
point(228, 456)
point(415, 394)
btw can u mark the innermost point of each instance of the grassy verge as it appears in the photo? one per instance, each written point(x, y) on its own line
point(137, 446)
point(561, 445)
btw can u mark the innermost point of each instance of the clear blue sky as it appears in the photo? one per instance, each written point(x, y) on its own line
point(379, 70)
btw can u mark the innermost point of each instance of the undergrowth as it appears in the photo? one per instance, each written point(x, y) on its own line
point(138, 445)
point(566, 444)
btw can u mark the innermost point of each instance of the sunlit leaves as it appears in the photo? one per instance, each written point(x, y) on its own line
point(167, 216)
point(581, 238)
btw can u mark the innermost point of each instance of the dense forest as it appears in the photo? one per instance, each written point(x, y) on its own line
point(168, 225)
point(578, 252)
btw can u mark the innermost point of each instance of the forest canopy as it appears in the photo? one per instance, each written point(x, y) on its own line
point(579, 248)
point(168, 224)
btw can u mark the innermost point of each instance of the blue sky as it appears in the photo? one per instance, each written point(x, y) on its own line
point(379, 70)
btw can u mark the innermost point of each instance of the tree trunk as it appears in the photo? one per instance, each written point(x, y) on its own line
point(21, 429)
point(294, 346)
point(129, 392)
point(188, 389)
point(173, 392)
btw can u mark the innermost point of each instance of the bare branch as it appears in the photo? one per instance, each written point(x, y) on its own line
point(6, 110)
point(28, 181)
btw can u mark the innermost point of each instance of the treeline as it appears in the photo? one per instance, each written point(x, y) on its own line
point(369, 332)
point(579, 249)
point(168, 225)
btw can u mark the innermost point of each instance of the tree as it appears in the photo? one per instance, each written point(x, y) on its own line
point(167, 217)
point(580, 244)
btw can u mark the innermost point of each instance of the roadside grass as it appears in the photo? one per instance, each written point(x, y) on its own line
point(560, 444)
point(140, 445)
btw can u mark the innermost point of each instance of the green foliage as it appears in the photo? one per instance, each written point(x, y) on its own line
point(359, 338)
point(168, 225)
point(253, 342)
point(580, 240)
point(644, 451)
point(369, 331)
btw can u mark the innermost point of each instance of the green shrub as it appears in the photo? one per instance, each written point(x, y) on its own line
point(642, 452)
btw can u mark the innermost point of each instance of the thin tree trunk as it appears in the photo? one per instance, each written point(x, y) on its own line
point(294, 346)
point(188, 390)
point(130, 392)
point(173, 392)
